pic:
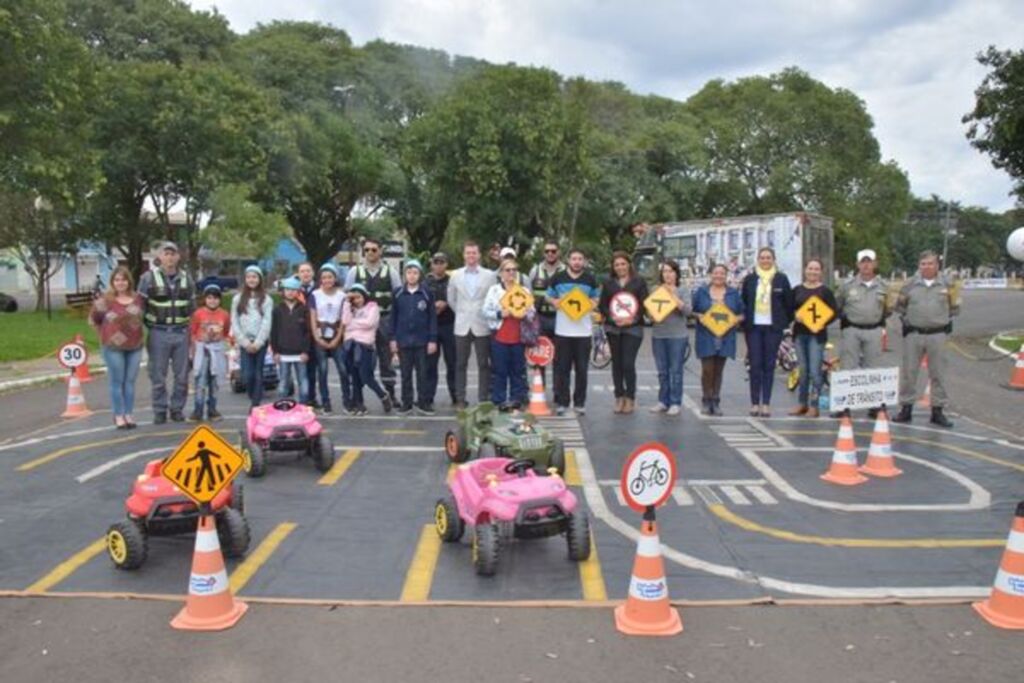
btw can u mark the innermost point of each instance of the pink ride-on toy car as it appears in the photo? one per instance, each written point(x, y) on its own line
point(284, 426)
point(496, 495)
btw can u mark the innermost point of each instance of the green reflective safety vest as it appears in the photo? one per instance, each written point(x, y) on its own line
point(161, 308)
point(539, 281)
point(379, 286)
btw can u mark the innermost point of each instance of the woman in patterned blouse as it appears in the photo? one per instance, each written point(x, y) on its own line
point(117, 317)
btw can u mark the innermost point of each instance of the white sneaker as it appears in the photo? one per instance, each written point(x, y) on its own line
point(580, 410)
point(673, 410)
point(560, 410)
point(660, 408)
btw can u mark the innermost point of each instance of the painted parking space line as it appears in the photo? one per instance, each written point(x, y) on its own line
point(254, 560)
point(71, 450)
point(111, 464)
point(339, 468)
point(68, 566)
point(420, 574)
point(572, 473)
point(591, 577)
point(731, 517)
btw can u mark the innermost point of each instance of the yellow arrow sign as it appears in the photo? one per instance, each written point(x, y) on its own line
point(661, 303)
point(575, 304)
point(203, 465)
point(719, 319)
point(517, 301)
point(815, 314)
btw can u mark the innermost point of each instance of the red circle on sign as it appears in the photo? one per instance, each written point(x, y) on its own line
point(623, 307)
point(656, 475)
point(542, 354)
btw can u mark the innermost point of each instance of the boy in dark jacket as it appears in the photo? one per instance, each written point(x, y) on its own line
point(414, 336)
point(290, 339)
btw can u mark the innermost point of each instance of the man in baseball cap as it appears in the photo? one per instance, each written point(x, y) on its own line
point(863, 309)
point(437, 284)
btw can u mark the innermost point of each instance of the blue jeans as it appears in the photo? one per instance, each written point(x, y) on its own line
point(122, 371)
point(811, 352)
point(668, 356)
point(252, 373)
point(205, 384)
point(298, 368)
point(360, 361)
point(508, 373)
point(323, 362)
point(763, 351)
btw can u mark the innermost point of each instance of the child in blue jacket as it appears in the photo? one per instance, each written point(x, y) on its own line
point(414, 336)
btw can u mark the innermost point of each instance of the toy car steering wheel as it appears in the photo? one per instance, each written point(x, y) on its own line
point(285, 404)
point(519, 467)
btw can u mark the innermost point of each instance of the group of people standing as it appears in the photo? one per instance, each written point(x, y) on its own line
point(380, 316)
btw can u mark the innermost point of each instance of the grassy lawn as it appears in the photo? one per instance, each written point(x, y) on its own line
point(26, 336)
point(1010, 343)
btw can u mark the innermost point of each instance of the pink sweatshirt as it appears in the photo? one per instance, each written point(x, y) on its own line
point(361, 323)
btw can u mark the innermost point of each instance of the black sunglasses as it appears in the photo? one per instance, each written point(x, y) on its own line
point(370, 250)
point(550, 251)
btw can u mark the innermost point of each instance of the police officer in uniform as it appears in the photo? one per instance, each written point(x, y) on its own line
point(380, 281)
point(169, 302)
point(862, 314)
point(540, 279)
point(926, 307)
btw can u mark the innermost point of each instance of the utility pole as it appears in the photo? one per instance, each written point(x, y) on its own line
point(947, 230)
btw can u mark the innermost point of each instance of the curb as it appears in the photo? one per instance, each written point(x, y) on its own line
point(12, 385)
point(998, 349)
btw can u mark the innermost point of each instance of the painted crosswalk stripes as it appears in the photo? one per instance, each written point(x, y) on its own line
point(710, 492)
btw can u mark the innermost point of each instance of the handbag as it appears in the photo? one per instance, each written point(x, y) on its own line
point(529, 329)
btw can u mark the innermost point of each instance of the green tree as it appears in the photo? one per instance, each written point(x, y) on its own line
point(239, 226)
point(996, 125)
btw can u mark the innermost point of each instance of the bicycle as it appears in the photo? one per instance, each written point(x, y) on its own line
point(600, 351)
point(650, 474)
point(828, 364)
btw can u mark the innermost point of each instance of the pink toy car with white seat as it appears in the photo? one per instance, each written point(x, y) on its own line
point(284, 426)
point(495, 495)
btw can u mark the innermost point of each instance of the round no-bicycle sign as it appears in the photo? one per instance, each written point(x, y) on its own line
point(648, 476)
point(72, 354)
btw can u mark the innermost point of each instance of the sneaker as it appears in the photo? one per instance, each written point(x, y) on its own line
point(177, 416)
point(196, 416)
point(359, 411)
point(660, 408)
point(404, 410)
point(388, 404)
point(159, 418)
point(425, 409)
point(326, 409)
point(560, 410)
point(580, 410)
point(672, 410)
point(215, 416)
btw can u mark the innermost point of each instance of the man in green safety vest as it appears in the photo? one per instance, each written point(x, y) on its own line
point(169, 301)
point(540, 278)
point(380, 281)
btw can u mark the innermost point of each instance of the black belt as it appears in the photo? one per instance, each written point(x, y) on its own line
point(928, 330)
point(843, 324)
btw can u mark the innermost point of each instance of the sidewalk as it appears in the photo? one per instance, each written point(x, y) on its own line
point(26, 373)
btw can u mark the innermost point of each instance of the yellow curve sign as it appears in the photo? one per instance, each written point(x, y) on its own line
point(815, 314)
point(575, 304)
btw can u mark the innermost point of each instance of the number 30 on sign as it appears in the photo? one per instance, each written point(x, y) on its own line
point(72, 354)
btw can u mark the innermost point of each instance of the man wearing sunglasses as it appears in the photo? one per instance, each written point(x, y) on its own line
point(540, 279)
point(381, 282)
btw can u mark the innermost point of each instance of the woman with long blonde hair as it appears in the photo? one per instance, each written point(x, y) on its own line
point(117, 317)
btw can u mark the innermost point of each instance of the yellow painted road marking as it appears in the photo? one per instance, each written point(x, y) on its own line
point(244, 571)
point(728, 515)
point(339, 468)
point(956, 449)
point(591, 577)
point(572, 473)
point(68, 566)
point(416, 432)
point(70, 450)
point(420, 575)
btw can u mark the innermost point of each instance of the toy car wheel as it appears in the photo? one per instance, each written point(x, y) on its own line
point(238, 497)
point(487, 450)
point(233, 532)
point(578, 537)
point(323, 453)
point(126, 545)
point(556, 458)
point(447, 522)
point(486, 549)
point(255, 461)
point(455, 445)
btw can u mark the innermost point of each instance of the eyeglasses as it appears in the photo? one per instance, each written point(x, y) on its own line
point(550, 251)
point(510, 270)
point(370, 250)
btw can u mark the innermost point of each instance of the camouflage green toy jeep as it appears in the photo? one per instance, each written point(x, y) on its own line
point(484, 432)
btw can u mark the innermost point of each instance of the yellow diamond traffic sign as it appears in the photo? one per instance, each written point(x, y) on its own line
point(719, 319)
point(517, 301)
point(661, 303)
point(203, 465)
point(575, 304)
point(815, 314)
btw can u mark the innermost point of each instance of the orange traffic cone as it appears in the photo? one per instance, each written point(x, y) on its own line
point(1005, 606)
point(82, 371)
point(210, 605)
point(880, 462)
point(926, 398)
point(538, 400)
point(844, 458)
point(76, 400)
point(1017, 377)
point(647, 611)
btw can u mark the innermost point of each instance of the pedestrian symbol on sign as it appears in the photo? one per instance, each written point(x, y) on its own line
point(203, 465)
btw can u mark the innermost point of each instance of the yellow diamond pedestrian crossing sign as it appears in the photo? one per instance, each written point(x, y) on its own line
point(660, 304)
point(517, 300)
point(719, 319)
point(203, 465)
point(815, 314)
point(575, 304)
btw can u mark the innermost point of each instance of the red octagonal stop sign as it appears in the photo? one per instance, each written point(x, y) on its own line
point(542, 354)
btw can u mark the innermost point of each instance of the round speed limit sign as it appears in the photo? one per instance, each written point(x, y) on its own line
point(72, 354)
point(648, 476)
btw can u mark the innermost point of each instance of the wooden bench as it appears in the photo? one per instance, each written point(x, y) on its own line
point(79, 302)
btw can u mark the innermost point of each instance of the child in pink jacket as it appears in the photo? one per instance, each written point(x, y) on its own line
point(360, 317)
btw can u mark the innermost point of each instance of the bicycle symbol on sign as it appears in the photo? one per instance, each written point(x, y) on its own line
point(651, 474)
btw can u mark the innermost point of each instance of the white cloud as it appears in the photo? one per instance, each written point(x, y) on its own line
point(911, 61)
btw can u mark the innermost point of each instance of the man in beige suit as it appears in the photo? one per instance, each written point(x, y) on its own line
point(466, 291)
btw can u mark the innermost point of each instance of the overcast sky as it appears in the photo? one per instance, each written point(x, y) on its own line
point(911, 61)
